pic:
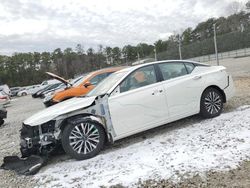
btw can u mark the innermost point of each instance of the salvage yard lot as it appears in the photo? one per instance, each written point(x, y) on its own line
point(203, 147)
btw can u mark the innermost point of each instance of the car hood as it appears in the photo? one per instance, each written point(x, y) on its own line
point(66, 82)
point(55, 89)
point(59, 109)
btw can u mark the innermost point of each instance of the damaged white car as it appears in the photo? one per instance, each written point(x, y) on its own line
point(129, 101)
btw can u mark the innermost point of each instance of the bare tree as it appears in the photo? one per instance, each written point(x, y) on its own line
point(235, 7)
point(248, 5)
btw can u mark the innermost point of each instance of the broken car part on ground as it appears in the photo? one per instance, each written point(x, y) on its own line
point(24, 166)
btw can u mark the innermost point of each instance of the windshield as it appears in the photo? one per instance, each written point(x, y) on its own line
point(79, 80)
point(105, 85)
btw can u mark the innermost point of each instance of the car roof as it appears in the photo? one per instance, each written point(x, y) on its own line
point(128, 70)
point(109, 69)
point(163, 61)
point(105, 70)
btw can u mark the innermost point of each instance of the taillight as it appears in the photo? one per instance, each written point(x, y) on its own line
point(3, 97)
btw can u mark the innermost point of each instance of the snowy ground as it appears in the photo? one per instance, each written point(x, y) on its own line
point(215, 144)
point(219, 144)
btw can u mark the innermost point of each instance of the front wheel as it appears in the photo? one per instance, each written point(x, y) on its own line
point(83, 139)
point(211, 103)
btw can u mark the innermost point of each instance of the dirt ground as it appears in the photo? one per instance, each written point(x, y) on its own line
point(23, 107)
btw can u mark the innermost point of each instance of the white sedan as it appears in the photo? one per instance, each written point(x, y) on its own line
point(4, 98)
point(129, 101)
point(28, 90)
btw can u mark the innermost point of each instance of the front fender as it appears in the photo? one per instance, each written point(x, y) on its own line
point(79, 117)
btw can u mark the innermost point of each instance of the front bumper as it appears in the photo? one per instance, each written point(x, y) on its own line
point(49, 103)
point(230, 89)
point(24, 166)
point(37, 140)
point(34, 95)
point(30, 140)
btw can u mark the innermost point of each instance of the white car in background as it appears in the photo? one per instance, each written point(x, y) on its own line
point(6, 89)
point(44, 84)
point(28, 90)
point(4, 98)
point(127, 102)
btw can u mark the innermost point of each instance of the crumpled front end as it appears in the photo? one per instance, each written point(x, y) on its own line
point(35, 145)
point(30, 140)
point(38, 140)
point(41, 139)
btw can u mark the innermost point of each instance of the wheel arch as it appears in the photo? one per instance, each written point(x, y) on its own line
point(217, 88)
point(90, 116)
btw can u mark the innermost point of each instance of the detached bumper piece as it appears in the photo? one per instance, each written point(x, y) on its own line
point(33, 155)
point(24, 166)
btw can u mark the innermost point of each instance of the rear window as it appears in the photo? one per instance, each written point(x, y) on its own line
point(172, 70)
point(190, 67)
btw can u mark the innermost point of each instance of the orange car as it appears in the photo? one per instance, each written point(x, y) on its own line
point(81, 87)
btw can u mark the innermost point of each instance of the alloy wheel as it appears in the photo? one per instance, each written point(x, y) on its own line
point(213, 103)
point(84, 138)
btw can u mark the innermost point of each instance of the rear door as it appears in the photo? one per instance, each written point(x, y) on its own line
point(183, 89)
point(140, 103)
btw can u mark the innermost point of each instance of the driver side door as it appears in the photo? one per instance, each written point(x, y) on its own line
point(138, 106)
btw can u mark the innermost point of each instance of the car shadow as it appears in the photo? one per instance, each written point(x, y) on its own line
point(137, 138)
point(140, 137)
point(151, 133)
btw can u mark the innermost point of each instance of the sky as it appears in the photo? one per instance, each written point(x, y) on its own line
point(44, 25)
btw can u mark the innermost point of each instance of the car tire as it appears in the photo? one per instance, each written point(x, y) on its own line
point(24, 94)
point(211, 103)
point(1, 122)
point(47, 104)
point(83, 138)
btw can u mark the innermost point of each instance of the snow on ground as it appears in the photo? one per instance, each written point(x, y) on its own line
point(214, 144)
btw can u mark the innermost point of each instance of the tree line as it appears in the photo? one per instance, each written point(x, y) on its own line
point(20, 69)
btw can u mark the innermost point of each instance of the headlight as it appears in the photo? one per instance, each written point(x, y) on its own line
point(48, 97)
point(48, 127)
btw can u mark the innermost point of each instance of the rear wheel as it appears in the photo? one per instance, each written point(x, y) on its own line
point(211, 103)
point(83, 139)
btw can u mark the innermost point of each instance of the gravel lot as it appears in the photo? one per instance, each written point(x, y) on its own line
point(23, 107)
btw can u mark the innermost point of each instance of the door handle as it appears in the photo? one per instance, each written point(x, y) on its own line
point(157, 91)
point(197, 77)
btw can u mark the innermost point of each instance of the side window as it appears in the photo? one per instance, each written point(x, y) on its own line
point(172, 70)
point(45, 83)
point(98, 78)
point(108, 73)
point(141, 77)
point(190, 67)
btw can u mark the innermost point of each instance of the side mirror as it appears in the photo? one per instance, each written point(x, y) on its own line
point(87, 84)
